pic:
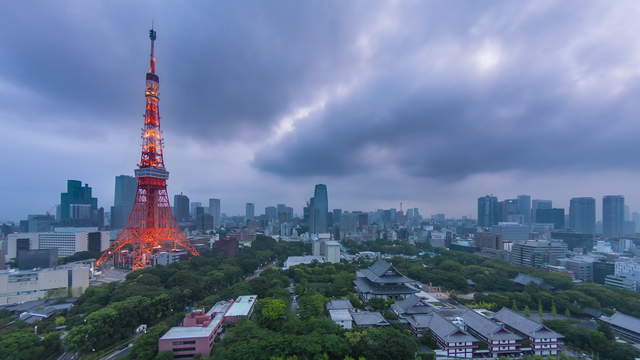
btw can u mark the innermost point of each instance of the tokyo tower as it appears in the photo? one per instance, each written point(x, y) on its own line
point(151, 226)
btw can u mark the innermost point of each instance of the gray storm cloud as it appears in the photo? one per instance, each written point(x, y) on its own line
point(438, 91)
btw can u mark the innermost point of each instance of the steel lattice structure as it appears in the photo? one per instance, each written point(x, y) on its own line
point(151, 226)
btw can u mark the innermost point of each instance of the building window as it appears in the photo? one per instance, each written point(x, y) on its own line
point(184, 349)
point(184, 342)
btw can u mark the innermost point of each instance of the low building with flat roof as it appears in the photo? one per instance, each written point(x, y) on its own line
point(241, 308)
point(197, 334)
point(28, 285)
point(301, 260)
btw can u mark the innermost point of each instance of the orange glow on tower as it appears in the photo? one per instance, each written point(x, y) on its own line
point(151, 227)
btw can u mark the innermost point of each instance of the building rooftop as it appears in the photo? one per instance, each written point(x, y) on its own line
point(488, 328)
point(623, 321)
point(182, 332)
point(440, 326)
point(369, 318)
point(383, 272)
point(242, 306)
point(412, 304)
point(340, 315)
point(340, 304)
point(300, 260)
point(524, 325)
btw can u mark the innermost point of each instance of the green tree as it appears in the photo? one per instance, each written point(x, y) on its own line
point(527, 311)
point(20, 345)
point(554, 310)
point(311, 305)
point(540, 309)
point(271, 312)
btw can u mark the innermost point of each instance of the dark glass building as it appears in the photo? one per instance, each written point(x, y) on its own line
point(551, 216)
point(582, 215)
point(613, 215)
point(487, 211)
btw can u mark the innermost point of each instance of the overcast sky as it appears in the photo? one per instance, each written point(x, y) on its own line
point(433, 103)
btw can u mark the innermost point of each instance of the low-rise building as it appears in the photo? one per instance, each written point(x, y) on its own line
point(340, 304)
point(68, 241)
point(411, 305)
point(28, 285)
point(382, 280)
point(199, 329)
point(342, 317)
point(454, 341)
point(301, 260)
point(197, 333)
point(624, 326)
point(500, 341)
point(544, 341)
point(366, 319)
point(241, 308)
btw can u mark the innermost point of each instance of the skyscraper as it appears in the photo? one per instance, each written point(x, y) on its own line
point(271, 213)
point(582, 214)
point(77, 206)
point(551, 216)
point(319, 210)
point(539, 204)
point(192, 208)
point(249, 211)
point(524, 206)
point(125, 192)
point(487, 211)
point(613, 215)
point(214, 210)
point(181, 207)
point(510, 211)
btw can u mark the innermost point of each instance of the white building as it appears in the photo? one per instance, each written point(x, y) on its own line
point(68, 241)
point(20, 286)
point(326, 248)
point(342, 317)
point(300, 260)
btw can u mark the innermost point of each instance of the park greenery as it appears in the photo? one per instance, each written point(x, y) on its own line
point(106, 316)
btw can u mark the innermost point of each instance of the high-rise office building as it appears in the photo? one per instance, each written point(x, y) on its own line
point(125, 192)
point(319, 210)
point(192, 208)
point(249, 211)
point(78, 207)
point(271, 213)
point(613, 215)
point(181, 207)
point(582, 215)
point(524, 206)
point(510, 211)
point(539, 204)
point(214, 210)
point(551, 216)
point(487, 211)
point(40, 223)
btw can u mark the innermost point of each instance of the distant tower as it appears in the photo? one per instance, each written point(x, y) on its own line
point(151, 226)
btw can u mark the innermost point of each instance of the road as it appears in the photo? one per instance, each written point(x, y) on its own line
point(118, 353)
point(260, 270)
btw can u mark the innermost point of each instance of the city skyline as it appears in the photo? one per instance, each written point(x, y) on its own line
point(552, 102)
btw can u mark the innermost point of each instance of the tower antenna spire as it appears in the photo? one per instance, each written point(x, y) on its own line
point(152, 36)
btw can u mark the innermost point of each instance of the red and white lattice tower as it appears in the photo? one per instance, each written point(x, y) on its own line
point(151, 226)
